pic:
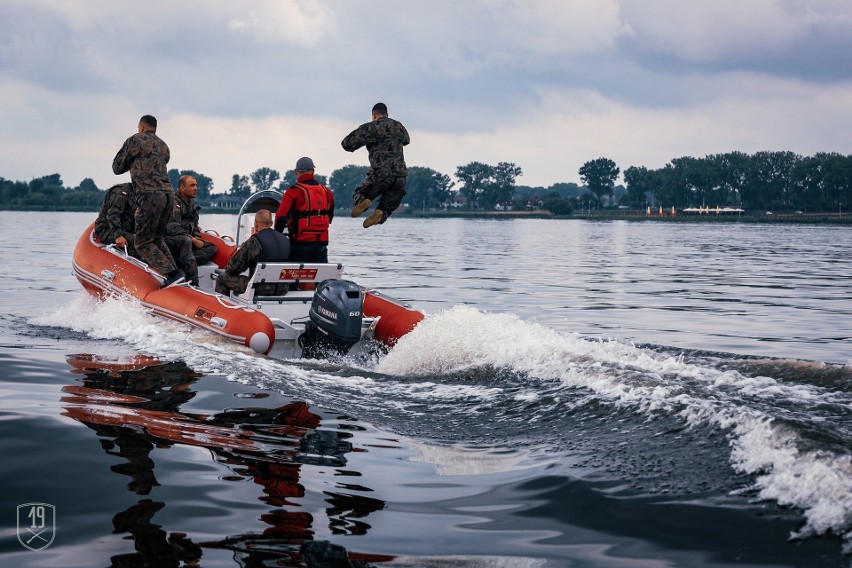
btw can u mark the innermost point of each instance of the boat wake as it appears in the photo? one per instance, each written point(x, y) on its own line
point(658, 422)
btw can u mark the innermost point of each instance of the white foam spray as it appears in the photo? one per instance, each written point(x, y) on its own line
point(461, 338)
point(818, 482)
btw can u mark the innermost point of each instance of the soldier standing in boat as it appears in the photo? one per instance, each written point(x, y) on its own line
point(183, 234)
point(384, 138)
point(145, 156)
point(115, 223)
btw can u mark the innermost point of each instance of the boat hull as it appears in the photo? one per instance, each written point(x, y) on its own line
point(104, 272)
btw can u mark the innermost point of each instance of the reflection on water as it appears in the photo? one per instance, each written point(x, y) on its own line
point(134, 406)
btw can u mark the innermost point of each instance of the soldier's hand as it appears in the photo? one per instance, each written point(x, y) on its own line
point(197, 243)
point(121, 241)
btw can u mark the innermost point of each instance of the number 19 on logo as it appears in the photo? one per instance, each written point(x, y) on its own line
point(36, 525)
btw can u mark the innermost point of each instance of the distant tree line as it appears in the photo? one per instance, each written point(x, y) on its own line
point(765, 180)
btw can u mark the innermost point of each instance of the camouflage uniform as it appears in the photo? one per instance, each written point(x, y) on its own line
point(115, 218)
point(245, 258)
point(384, 139)
point(179, 232)
point(145, 156)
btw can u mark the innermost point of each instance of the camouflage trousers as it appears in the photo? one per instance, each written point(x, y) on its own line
point(187, 256)
point(153, 212)
point(391, 189)
point(237, 283)
point(226, 283)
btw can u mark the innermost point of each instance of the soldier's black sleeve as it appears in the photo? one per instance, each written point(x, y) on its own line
point(124, 157)
point(357, 138)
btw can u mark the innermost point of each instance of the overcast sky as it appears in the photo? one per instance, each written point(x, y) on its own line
point(547, 85)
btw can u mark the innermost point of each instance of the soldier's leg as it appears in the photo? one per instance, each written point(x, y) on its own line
point(392, 194)
point(149, 209)
point(393, 190)
point(165, 218)
point(180, 247)
point(205, 253)
point(364, 196)
point(226, 283)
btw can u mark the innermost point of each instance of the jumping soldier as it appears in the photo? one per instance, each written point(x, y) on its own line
point(384, 138)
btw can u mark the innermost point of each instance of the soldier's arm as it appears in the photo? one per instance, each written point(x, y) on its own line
point(124, 157)
point(114, 213)
point(241, 259)
point(357, 138)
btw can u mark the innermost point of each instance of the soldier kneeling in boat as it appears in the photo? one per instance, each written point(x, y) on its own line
point(265, 245)
point(115, 223)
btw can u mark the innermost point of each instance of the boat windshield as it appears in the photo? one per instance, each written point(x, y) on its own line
point(268, 199)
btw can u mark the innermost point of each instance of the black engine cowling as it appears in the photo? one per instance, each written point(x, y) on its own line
point(335, 319)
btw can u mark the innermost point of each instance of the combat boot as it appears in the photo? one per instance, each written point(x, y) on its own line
point(377, 218)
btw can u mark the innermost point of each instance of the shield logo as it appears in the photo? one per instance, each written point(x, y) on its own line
point(36, 525)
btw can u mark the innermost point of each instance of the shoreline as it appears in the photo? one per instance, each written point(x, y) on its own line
point(821, 218)
point(612, 215)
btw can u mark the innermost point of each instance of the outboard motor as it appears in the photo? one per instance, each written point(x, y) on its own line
point(335, 319)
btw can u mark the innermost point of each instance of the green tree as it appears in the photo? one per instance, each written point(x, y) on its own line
point(12, 192)
point(501, 188)
point(344, 181)
point(288, 180)
point(558, 205)
point(240, 186)
point(599, 176)
point(475, 178)
point(264, 178)
point(640, 186)
point(732, 170)
point(88, 184)
point(567, 189)
point(427, 188)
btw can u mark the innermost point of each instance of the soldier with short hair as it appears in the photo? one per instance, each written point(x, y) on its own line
point(145, 156)
point(384, 138)
point(183, 234)
point(265, 244)
point(115, 223)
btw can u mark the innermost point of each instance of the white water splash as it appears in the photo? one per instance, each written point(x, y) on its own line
point(818, 482)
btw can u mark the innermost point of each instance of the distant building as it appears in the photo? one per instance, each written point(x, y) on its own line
point(712, 211)
point(226, 202)
point(456, 202)
point(534, 203)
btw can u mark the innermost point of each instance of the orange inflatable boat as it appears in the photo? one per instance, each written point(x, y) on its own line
point(320, 312)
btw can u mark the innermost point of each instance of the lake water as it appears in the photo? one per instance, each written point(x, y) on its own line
point(580, 394)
